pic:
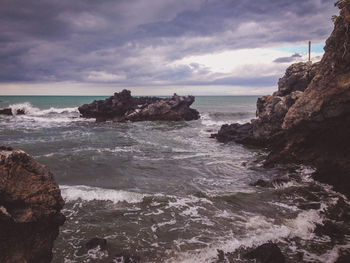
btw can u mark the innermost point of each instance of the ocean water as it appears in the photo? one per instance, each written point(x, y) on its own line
point(166, 192)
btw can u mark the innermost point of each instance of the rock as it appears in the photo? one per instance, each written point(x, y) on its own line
point(123, 107)
point(95, 242)
point(270, 113)
point(240, 133)
point(316, 128)
point(30, 205)
point(20, 112)
point(298, 76)
point(6, 111)
point(266, 253)
point(343, 259)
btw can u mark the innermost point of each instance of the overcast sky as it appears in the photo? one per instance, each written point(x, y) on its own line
point(154, 47)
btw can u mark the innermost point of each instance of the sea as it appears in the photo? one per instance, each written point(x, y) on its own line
point(167, 192)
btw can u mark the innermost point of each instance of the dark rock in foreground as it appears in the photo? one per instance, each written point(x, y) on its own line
point(8, 111)
point(122, 107)
point(266, 253)
point(30, 204)
point(307, 121)
point(96, 242)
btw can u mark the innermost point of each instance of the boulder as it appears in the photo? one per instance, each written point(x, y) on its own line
point(266, 253)
point(30, 205)
point(96, 242)
point(122, 107)
point(240, 133)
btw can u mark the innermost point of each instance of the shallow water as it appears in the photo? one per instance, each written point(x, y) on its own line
point(165, 191)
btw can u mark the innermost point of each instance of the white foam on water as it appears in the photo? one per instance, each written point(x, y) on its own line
point(87, 193)
point(29, 109)
point(260, 230)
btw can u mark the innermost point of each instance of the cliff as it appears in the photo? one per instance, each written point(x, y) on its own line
point(307, 121)
point(30, 204)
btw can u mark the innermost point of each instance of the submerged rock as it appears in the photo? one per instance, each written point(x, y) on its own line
point(6, 111)
point(96, 242)
point(123, 107)
point(266, 253)
point(30, 205)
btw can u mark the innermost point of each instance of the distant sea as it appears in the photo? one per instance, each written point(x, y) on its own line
point(165, 191)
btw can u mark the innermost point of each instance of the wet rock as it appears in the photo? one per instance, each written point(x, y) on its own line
point(123, 107)
point(240, 133)
point(343, 259)
point(266, 253)
point(297, 77)
point(6, 111)
point(20, 112)
point(307, 121)
point(96, 242)
point(330, 229)
point(30, 205)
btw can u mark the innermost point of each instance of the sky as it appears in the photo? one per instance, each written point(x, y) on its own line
point(156, 47)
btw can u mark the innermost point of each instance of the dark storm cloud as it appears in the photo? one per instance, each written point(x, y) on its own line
point(135, 41)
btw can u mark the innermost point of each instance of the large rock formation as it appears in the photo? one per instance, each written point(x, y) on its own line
point(313, 126)
point(123, 107)
point(30, 204)
point(271, 109)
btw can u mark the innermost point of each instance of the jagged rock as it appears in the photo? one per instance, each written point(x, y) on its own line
point(95, 242)
point(317, 127)
point(297, 77)
point(123, 107)
point(30, 204)
point(308, 119)
point(266, 253)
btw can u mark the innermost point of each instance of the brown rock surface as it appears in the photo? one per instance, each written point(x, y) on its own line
point(30, 204)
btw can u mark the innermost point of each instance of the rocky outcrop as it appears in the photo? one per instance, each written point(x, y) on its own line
point(308, 119)
point(30, 204)
point(271, 109)
point(122, 107)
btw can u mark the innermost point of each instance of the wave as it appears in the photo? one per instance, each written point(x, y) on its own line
point(88, 193)
point(261, 230)
point(31, 110)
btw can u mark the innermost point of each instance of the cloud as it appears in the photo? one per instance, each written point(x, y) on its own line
point(289, 59)
point(140, 42)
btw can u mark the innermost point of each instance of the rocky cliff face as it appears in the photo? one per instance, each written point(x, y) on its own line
point(123, 107)
point(30, 204)
point(308, 119)
point(317, 126)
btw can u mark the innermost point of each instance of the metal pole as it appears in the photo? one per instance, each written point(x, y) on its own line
point(309, 50)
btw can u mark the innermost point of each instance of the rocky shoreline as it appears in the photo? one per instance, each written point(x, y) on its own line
point(122, 107)
point(307, 121)
point(30, 208)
